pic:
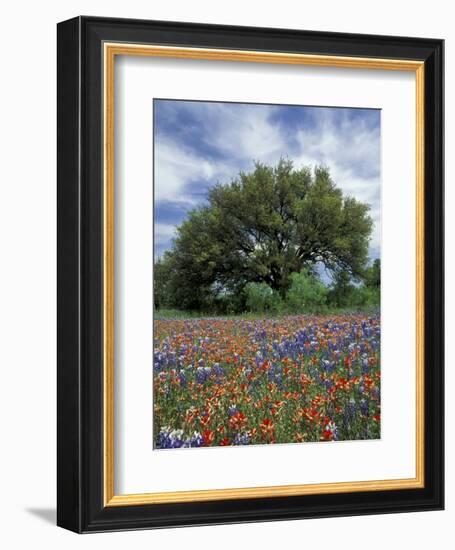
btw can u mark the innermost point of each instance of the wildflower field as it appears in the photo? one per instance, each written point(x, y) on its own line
point(239, 381)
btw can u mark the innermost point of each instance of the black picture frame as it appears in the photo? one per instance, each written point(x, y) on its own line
point(80, 476)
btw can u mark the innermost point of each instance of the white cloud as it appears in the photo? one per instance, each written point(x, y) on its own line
point(174, 168)
point(164, 233)
point(350, 150)
point(242, 134)
point(243, 131)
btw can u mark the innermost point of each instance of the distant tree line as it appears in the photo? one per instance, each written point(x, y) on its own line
point(260, 244)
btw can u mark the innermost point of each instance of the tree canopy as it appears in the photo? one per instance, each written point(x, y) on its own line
point(262, 227)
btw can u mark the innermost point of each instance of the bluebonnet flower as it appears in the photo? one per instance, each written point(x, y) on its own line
point(169, 439)
point(364, 407)
point(202, 374)
point(219, 371)
point(196, 440)
point(173, 439)
point(352, 407)
point(314, 345)
point(242, 439)
point(182, 377)
point(232, 409)
point(330, 432)
point(328, 366)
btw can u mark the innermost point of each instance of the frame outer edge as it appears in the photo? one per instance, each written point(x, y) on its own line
point(69, 501)
point(435, 178)
point(441, 103)
point(79, 479)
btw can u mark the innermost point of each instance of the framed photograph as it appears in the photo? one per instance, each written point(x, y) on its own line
point(250, 274)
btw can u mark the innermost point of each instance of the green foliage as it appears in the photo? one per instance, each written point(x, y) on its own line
point(372, 275)
point(366, 298)
point(230, 303)
point(343, 294)
point(307, 294)
point(261, 229)
point(260, 298)
point(161, 275)
point(341, 290)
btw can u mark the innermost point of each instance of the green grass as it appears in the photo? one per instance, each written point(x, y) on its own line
point(182, 314)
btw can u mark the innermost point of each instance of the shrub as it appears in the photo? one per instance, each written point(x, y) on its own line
point(364, 296)
point(307, 293)
point(260, 298)
point(354, 297)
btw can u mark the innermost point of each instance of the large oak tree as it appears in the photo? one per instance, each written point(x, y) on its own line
point(262, 227)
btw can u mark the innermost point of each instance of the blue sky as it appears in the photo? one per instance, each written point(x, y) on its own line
point(199, 143)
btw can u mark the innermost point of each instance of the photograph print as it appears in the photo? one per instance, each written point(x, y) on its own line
point(267, 272)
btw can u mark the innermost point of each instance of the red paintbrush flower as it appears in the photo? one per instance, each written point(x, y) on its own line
point(237, 421)
point(205, 420)
point(267, 427)
point(208, 437)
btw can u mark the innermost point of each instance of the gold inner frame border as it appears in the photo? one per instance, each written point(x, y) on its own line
point(110, 51)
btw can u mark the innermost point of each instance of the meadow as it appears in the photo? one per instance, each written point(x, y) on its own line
point(248, 380)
